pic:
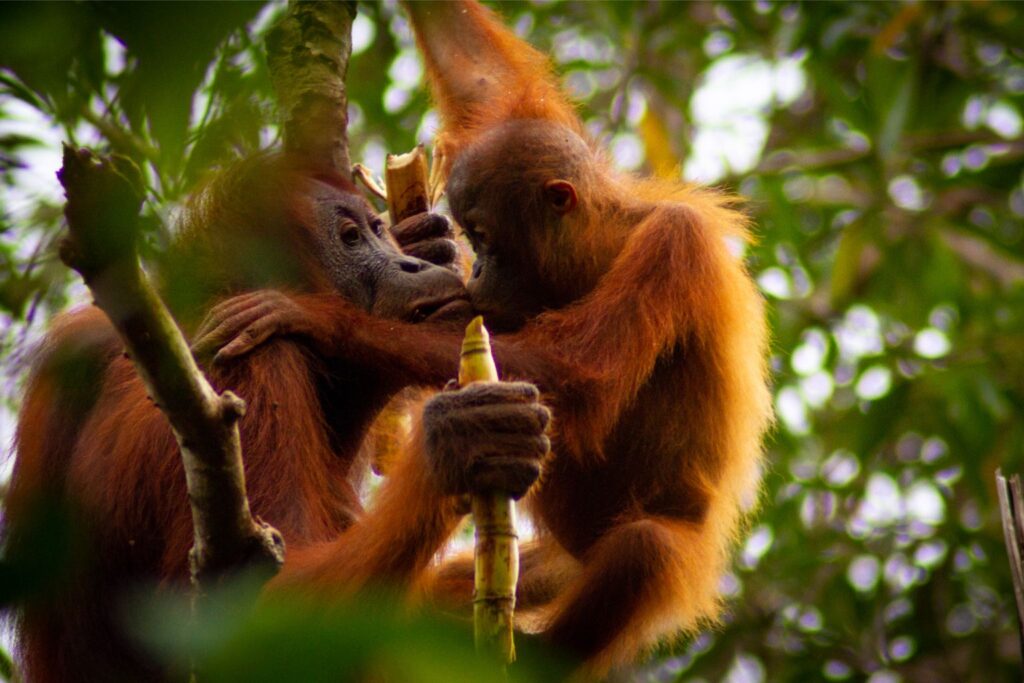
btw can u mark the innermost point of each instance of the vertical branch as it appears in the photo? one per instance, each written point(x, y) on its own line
point(308, 53)
point(1011, 510)
point(104, 197)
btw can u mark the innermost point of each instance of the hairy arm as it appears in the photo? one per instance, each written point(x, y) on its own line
point(392, 543)
point(481, 73)
point(485, 437)
point(336, 329)
point(423, 354)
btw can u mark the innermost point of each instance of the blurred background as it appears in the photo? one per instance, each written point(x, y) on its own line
point(880, 147)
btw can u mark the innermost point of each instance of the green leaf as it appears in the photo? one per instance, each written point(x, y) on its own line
point(891, 87)
point(7, 669)
point(174, 43)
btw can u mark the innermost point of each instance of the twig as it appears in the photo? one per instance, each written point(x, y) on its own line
point(1011, 510)
point(980, 254)
point(120, 139)
point(365, 176)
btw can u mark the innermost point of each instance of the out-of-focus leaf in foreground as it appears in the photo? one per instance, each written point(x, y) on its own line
point(374, 637)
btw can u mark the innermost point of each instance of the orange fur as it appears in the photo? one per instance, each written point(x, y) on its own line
point(656, 371)
point(511, 81)
point(88, 433)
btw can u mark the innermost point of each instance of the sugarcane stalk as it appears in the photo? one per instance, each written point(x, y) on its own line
point(496, 554)
point(406, 195)
point(406, 178)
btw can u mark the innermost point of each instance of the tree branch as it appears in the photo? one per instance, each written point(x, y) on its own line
point(104, 196)
point(1011, 502)
point(307, 53)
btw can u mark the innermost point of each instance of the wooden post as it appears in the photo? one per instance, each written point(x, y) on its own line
point(406, 181)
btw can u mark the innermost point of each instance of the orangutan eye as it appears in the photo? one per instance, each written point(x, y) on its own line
point(349, 233)
point(475, 234)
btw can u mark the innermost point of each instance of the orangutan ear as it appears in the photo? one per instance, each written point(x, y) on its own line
point(561, 195)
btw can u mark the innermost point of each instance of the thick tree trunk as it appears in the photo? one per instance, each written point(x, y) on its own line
point(308, 55)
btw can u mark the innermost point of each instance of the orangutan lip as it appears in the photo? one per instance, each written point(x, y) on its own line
point(428, 309)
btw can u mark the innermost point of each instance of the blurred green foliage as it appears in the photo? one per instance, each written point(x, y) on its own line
point(370, 638)
point(880, 147)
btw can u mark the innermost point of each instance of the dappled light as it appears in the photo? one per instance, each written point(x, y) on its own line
point(878, 149)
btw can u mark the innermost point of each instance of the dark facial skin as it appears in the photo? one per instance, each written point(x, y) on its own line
point(367, 268)
point(498, 287)
point(503, 285)
point(508, 191)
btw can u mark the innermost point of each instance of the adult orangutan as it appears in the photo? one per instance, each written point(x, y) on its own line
point(100, 443)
